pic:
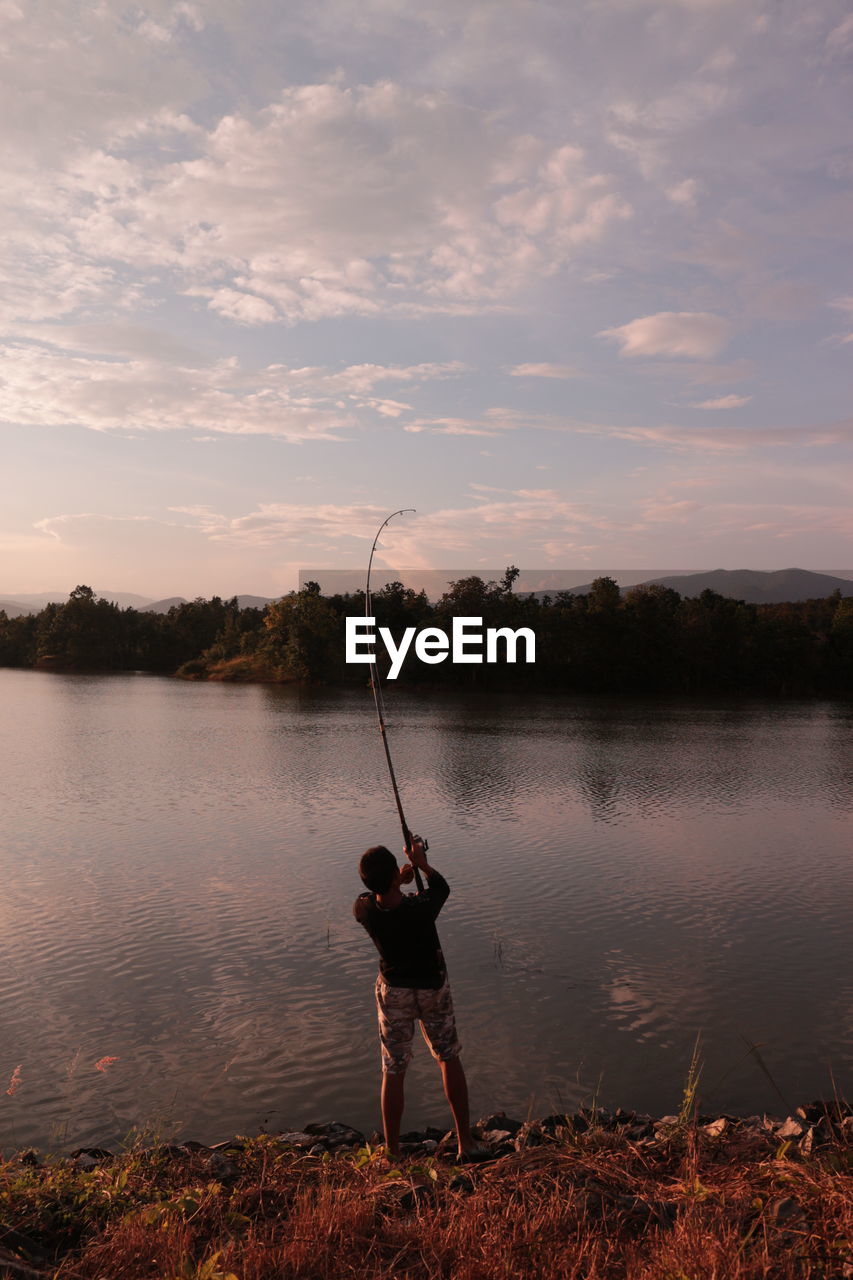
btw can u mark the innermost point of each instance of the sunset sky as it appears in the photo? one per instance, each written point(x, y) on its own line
point(571, 277)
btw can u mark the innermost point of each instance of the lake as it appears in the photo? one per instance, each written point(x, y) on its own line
point(179, 862)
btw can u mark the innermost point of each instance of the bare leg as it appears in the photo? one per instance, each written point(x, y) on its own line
point(393, 1098)
point(456, 1089)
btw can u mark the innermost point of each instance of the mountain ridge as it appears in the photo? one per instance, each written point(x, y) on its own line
point(753, 586)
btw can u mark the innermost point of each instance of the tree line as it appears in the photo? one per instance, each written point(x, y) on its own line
point(647, 639)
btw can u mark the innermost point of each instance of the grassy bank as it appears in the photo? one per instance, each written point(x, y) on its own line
point(687, 1201)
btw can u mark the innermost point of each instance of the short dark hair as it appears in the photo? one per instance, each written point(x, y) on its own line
point(377, 868)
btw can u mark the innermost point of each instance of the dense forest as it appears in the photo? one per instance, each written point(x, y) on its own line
point(647, 639)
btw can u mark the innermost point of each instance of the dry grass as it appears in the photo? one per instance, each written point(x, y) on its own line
point(595, 1206)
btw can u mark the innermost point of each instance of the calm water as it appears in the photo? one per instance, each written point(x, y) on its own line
point(179, 862)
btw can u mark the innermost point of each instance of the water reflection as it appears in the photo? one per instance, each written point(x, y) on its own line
point(179, 865)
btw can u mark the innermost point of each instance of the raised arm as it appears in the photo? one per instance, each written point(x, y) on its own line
point(437, 890)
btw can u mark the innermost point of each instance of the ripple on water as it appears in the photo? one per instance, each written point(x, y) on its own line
point(179, 869)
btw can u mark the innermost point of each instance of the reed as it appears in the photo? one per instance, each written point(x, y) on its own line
point(684, 1206)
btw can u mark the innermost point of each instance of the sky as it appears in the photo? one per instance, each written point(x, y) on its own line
point(573, 278)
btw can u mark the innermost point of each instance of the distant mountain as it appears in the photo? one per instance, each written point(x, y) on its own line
point(35, 603)
point(255, 602)
point(759, 587)
point(174, 602)
point(163, 606)
point(14, 609)
point(755, 586)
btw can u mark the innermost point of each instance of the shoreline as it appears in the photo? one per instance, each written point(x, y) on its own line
point(596, 1195)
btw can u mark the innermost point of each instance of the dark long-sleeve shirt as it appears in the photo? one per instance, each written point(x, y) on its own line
point(405, 936)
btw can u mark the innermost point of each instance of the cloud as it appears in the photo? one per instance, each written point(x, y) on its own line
point(840, 38)
point(330, 201)
point(43, 386)
point(54, 526)
point(491, 423)
point(72, 73)
point(245, 308)
point(666, 511)
point(722, 402)
point(538, 516)
point(695, 334)
point(724, 440)
point(544, 371)
point(684, 193)
point(118, 338)
point(667, 436)
point(845, 305)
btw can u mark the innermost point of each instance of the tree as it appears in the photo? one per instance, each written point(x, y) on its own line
point(299, 631)
point(603, 596)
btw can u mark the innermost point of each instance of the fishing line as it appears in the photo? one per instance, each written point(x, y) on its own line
point(376, 689)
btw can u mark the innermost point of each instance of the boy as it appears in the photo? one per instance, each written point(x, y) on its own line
point(412, 984)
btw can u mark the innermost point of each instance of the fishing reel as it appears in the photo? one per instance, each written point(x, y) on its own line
point(407, 874)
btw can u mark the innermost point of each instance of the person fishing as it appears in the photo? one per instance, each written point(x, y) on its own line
point(412, 985)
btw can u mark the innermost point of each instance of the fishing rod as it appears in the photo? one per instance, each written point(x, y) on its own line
point(376, 689)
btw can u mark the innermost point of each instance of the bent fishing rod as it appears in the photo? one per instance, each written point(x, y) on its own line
point(376, 689)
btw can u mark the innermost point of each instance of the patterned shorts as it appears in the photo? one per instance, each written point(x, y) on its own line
point(399, 1008)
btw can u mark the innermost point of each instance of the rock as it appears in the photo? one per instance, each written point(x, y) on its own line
point(88, 1158)
point(495, 1136)
point(297, 1138)
point(500, 1120)
point(336, 1134)
point(193, 1146)
point(426, 1147)
point(815, 1111)
point(529, 1135)
point(716, 1128)
point(223, 1169)
point(784, 1211)
point(825, 1132)
point(640, 1132)
point(790, 1129)
point(97, 1154)
point(318, 1149)
point(550, 1124)
point(232, 1145)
